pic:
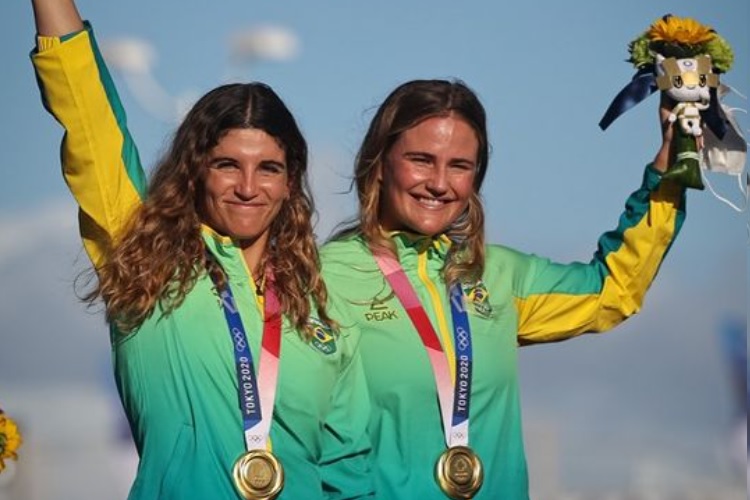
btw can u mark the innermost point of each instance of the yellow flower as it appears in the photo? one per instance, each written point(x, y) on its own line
point(680, 30)
point(10, 440)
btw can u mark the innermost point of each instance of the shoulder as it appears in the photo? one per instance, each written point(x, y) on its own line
point(343, 246)
point(514, 264)
point(502, 253)
point(347, 252)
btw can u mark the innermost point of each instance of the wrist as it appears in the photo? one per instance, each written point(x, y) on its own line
point(661, 160)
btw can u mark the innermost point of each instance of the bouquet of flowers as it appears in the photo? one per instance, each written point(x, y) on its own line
point(10, 439)
point(682, 58)
point(680, 38)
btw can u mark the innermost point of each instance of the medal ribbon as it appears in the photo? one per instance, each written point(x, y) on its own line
point(454, 398)
point(254, 392)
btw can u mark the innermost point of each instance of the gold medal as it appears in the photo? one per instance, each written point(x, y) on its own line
point(258, 475)
point(459, 472)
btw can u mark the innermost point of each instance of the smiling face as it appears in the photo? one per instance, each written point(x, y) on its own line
point(428, 176)
point(245, 184)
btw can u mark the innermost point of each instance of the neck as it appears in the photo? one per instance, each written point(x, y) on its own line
point(253, 253)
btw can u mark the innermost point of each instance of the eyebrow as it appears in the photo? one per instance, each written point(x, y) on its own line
point(219, 159)
point(273, 162)
point(417, 152)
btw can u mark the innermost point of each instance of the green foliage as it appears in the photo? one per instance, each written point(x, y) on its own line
point(640, 53)
point(722, 56)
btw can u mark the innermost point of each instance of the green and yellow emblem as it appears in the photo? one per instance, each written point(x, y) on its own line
point(478, 296)
point(322, 337)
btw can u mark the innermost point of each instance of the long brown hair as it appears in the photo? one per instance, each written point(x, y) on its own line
point(407, 106)
point(161, 253)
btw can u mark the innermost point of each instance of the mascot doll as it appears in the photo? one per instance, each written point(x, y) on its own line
point(683, 59)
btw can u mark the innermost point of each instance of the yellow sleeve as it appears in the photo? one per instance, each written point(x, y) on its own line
point(558, 301)
point(99, 160)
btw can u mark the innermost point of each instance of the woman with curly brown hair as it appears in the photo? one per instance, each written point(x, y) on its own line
point(209, 276)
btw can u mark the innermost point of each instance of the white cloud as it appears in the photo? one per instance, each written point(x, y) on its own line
point(21, 232)
point(44, 330)
point(263, 42)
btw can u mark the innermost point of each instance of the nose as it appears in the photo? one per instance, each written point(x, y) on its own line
point(246, 185)
point(437, 183)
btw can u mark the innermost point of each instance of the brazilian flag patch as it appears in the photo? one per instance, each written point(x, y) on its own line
point(322, 336)
point(478, 296)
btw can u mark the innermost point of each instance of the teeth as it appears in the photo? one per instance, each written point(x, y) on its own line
point(431, 202)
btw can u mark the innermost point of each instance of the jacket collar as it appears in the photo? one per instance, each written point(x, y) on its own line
point(227, 252)
point(436, 246)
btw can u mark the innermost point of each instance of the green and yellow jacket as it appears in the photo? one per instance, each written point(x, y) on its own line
point(176, 372)
point(520, 299)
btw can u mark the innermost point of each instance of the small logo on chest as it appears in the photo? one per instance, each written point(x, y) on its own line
point(478, 296)
point(322, 336)
point(379, 311)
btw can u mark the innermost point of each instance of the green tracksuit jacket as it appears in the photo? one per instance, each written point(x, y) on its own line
point(520, 299)
point(176, 373)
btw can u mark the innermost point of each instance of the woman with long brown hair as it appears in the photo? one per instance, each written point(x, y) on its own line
point(234, 378)
point(442, 313)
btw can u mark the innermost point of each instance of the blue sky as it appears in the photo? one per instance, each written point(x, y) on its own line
point(654, 391)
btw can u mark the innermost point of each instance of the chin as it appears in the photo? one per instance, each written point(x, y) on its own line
point(246, 236)
point(424, 226)
point(430, 230)
point(432, 224)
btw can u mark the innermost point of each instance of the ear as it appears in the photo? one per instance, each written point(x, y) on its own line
point(379, 172)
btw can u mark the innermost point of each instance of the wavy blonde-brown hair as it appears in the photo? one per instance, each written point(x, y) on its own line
point(408, 105)
point(161, 253)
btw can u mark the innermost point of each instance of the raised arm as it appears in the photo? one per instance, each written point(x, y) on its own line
point(558, 301)
point(99, 159)
point(56, 18)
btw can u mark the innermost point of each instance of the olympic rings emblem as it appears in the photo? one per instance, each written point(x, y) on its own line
point(463, 338)
point(239, 341)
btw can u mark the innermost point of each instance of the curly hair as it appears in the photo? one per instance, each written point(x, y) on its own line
point(160, 253)
point(408, 105)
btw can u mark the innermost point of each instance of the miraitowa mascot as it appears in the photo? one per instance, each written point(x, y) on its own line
point(683, 59)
